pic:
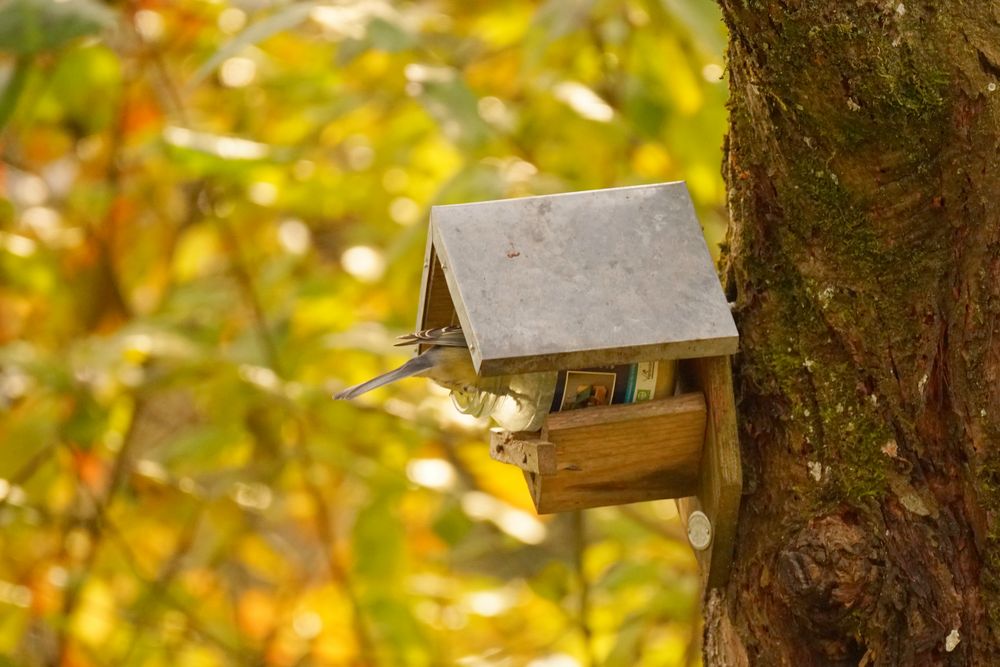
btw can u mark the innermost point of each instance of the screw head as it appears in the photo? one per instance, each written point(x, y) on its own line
point(699, 530)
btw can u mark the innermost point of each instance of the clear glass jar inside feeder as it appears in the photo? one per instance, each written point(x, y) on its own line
point(521, 402)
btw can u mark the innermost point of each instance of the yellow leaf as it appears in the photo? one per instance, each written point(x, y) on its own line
point(256, 613)
point(651, 160)
point(94, 620)
point(197, 251)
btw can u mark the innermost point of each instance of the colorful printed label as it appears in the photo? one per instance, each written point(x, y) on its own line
point(605, 385)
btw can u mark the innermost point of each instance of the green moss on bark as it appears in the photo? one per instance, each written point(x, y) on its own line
point(861, 168)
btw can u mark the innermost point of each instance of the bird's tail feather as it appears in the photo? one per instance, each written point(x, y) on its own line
point(414, 366)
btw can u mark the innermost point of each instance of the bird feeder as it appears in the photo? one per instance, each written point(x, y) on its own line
point(590, 279)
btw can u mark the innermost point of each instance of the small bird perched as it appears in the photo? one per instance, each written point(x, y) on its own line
point(447, 362)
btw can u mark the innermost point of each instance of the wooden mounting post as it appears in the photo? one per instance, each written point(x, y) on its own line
point(720, 482)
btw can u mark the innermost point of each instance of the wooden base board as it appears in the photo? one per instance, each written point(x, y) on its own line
point(684, 447)
point(621, 454)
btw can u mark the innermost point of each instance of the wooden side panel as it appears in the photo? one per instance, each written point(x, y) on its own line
point(622, 454)
point(436, 304)
point(720, 484)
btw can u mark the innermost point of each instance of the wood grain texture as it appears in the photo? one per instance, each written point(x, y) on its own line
point(720, 480)
point(524, 450)
point(622, 454)
point(436, 308)
point(614, 414)
point(864, 265)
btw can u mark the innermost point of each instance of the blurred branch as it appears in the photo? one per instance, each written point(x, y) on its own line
point(285, 17)
point(244, 279)
point(583, 618)
point(111, 302)
point(324, 526)
point(158, 585)
point(96, 532)
point(15, 86)
point(692, 653)
point(168, 88)
point(28, 470)
point(324, 522)
point(670, 531)
point(15, 161)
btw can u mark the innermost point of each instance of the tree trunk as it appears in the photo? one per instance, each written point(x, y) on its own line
point(864, 259)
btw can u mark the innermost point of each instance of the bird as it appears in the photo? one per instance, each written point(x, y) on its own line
point(447, 361)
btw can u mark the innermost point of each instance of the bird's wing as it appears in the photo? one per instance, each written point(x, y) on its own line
point(414, 366)
point(443, 336)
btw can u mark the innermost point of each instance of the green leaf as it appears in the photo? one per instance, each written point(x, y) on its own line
point(449, 100)
point(13, 88)
point(285, 19)
point(32, 26)
point(378, 538)
point(628, 642)
point(702, 20)
point(558, 18)
point(5, 661)
point(389, 36)
point(83, 89)
point(451, 523)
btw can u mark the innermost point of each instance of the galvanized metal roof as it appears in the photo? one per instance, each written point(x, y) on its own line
point(577, 280)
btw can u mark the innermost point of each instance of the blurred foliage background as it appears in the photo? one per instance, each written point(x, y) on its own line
point(213, 215)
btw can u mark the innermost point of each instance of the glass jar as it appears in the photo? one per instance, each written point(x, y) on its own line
point(515, 402)
point(521, 402)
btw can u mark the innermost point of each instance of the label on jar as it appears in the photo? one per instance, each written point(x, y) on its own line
point(645, 381)
point(605, 385)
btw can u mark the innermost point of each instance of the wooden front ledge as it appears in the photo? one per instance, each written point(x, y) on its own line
point(524, 450)
point(610, 455)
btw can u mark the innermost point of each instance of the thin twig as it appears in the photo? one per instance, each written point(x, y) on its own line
point(338, 573)
point(15, 87)
point(670, 531)
point(159, 583)
point(95, 531)
point(583, 619)
point(28, 470)
point(245, 281)
point(102, 233)
point(324, 523)
point(692, 653)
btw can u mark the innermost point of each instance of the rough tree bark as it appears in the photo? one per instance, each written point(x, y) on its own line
point(864, 259)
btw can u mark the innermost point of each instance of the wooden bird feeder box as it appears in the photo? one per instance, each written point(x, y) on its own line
point(590, 279)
